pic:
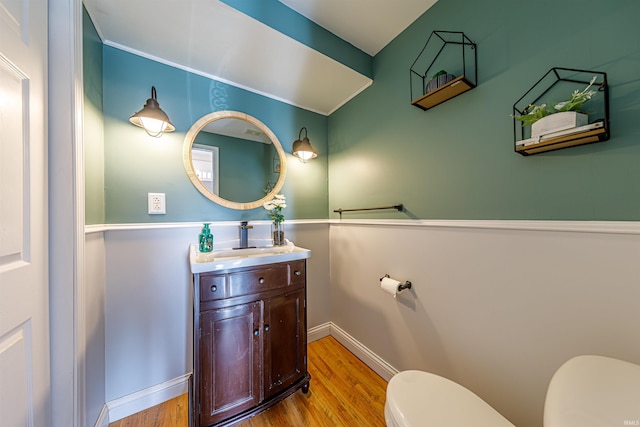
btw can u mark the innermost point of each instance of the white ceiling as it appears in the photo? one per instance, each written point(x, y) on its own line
point(213, 39)
point(367, 24)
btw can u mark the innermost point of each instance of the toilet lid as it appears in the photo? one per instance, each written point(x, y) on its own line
point(593, 391)
point(417, 398)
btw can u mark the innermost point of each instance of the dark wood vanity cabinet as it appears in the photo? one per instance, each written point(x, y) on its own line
point(250, 344)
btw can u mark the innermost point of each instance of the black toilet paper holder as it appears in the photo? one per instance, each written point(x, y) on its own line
point(401, 286)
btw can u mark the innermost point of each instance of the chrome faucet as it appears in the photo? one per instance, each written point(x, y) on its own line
point(244, 234)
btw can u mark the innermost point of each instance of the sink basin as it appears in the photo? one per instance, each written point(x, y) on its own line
point(227, 253)
point(224, 259)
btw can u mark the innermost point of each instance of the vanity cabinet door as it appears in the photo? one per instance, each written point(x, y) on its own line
point(284, 341)
point(230, 355)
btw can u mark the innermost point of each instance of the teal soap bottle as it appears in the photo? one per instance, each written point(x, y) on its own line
point(206, 239)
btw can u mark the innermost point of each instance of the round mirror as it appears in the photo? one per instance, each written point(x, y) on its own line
point(234, 160)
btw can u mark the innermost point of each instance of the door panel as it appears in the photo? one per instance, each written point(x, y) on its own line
point(13, 120)
point(229, 361)
point(24, 297)
point(12, 17)
point(16, 401)
point(284, 341)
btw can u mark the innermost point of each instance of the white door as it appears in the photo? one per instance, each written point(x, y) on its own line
point(24, 297)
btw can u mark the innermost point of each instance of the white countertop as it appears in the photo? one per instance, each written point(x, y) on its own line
point(224, 259)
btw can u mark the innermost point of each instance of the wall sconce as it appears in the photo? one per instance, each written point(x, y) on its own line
point(152, 118)
point(302, 148)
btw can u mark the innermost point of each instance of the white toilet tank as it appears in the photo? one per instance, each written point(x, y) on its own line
point(421, 399)
point(593, 391)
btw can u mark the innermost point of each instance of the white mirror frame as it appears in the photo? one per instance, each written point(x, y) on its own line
point(191, 173)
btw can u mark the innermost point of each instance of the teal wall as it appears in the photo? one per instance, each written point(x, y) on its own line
point(93, 123)
point(456, 161)
point(136, 164)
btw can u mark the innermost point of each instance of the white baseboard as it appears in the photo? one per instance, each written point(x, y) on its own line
point(144, 399)
point(103, 418)
point(318, 332)
point(369, 358)
point(363, 353)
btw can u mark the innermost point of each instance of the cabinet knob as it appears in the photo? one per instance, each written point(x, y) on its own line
point(214, 288)
point(261, 280)
point(266, 328)
point(297, 272)
point(256, 332)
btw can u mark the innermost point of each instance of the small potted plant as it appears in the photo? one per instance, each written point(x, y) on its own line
point(562, 115)
point(440, 78)
point(275, 208)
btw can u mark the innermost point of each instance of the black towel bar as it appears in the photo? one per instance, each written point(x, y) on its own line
point(399, 208)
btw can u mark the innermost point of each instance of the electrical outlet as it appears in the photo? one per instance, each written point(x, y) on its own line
point(157, 204)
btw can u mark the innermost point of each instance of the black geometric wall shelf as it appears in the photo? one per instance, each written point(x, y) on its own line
point(446, 67)
point(556, 86)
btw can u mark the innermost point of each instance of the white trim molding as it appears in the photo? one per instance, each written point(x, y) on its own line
point(99, 228)
point(103, 418)
point(66, 214)
point(318, 332)
point(139, 401)
point(372, 360)
point(605, 227)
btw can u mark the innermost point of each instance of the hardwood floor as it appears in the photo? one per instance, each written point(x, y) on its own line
point(343, 392)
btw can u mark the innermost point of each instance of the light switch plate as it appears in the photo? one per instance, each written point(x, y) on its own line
point(157, 205)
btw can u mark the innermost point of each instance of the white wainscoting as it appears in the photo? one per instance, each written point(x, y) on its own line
point(497, 306)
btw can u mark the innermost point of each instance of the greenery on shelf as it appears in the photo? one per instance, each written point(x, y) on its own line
point(533, 113)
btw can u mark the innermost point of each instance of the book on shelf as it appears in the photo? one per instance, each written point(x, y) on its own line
point(559, 134)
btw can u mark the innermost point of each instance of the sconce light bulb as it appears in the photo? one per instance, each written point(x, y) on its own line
point(304, 156)
point(153, 126)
